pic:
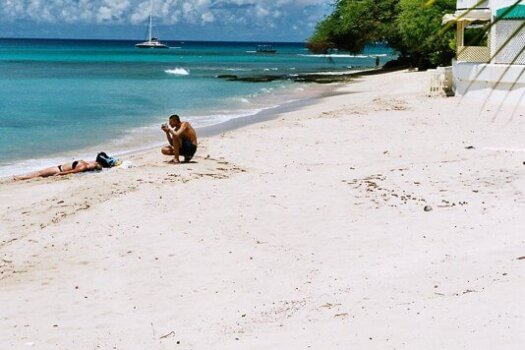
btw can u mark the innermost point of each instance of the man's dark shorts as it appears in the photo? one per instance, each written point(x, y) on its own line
point(187, 149)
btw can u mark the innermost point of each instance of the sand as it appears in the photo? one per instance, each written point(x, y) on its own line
point(305, 232)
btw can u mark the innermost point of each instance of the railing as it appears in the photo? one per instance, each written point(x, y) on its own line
point(467, 4)
point(476, 54)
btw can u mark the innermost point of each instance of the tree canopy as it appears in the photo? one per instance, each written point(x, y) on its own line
point(412, 27)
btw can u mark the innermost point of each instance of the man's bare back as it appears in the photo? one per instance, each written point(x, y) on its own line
point(187, 132)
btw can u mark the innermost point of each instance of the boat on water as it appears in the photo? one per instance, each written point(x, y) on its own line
point(152, 42)
point(265, 49)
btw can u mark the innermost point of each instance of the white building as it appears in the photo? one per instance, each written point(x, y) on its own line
point(490, 66)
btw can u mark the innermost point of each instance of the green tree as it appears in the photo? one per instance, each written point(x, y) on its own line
point(321, 41)
point(420, 28)
point(412, 27)
point(354, 23)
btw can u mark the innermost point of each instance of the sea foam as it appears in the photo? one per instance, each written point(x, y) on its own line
point(178, 71)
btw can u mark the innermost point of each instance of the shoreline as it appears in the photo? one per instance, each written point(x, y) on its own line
point(146, 139)
point(324, 89)
point(120, 90)
point(376, 217)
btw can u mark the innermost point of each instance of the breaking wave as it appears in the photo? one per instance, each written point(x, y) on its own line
point(178, 71)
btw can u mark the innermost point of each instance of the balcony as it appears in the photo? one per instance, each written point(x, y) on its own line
point(473, 54)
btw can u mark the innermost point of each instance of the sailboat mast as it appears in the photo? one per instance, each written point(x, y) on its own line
point(152, 43)
point(150, 32)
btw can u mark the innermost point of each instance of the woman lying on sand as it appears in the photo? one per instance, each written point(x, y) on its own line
point(78, 166)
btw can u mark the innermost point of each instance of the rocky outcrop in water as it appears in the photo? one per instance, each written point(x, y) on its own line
point(319, 78)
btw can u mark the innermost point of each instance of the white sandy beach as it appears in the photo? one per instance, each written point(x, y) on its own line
point(304, 232)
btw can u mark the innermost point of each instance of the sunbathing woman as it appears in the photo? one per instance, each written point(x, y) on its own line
point(78, 166)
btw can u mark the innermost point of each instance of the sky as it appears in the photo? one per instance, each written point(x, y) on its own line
point(235, 20)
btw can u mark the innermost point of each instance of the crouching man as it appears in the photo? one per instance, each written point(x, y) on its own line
point(182, 140)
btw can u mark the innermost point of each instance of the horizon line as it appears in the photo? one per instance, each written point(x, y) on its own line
point(142, 39)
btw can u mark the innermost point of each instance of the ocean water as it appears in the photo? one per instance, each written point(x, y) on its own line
point(60, 98)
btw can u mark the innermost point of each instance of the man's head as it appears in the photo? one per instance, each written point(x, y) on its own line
point(174, 121)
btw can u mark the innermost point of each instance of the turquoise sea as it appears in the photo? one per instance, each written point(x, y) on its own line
point(63, 98)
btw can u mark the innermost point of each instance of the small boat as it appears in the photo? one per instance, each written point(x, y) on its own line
point(265, 49)
point(151, 43)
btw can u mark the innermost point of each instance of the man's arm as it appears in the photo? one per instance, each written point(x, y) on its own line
point(167, 131)
point(168, 136)
point(182, 129)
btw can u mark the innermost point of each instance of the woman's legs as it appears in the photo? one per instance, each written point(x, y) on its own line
point(41, 173)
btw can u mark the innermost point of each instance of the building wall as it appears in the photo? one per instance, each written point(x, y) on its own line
point(497, 4)
point(494, 5)
point(498, 82)
point(490, 83)
point(466, 4)
point(510, 52)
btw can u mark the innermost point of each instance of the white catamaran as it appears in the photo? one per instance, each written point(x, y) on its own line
point(152, 43)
